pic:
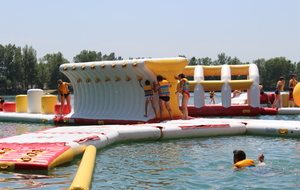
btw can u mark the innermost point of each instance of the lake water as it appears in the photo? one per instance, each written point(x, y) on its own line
point(188, 163)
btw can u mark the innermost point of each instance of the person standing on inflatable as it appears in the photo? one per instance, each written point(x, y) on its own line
point(279, 87)
point(184, 87)
point(63, 94)
point(292, 83)
point(212, 95)
point(162, 87)
point(148, 89)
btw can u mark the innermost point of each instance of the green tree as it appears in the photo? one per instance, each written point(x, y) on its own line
point(29, 62)
point(235, 61)
point(110, 57)
point(88, 56)
point(43, 74)
point(193, 61)
point(52, 63)
point(297, 69)
point(275, 68)
point(222, 59)
point(205, 61)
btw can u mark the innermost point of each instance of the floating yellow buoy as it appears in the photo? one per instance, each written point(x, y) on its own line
point(296, 94)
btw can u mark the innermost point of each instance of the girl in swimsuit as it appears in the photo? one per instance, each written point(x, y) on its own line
point(184, 87)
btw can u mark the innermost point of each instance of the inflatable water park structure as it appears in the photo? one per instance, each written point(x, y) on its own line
point(108, 92)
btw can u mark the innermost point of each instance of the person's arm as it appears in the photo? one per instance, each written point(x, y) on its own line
point(278, 86)
point(180, 86)
point(140, 84)
point(59, 94)
point(260, 160)
point(156, 86)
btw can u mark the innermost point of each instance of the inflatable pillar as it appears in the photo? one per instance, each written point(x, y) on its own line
point(253, 93)
point(34, 100)
point(226, 89)
point(199, 95)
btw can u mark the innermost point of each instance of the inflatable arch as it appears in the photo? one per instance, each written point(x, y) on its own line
point(108, 92)
point(225, 85)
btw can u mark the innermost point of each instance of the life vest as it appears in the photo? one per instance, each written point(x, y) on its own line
point(186, 85)
point(63, 88)
point(164, 87)
point(245, 163)
point(293, 83)
point(148, 90)
point(280, 86)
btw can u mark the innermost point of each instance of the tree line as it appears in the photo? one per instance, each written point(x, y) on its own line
point(20, 69)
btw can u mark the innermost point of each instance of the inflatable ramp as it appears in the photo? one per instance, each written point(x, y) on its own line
point(46, 149)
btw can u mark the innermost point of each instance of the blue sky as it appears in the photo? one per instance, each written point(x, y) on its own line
point(246, 29)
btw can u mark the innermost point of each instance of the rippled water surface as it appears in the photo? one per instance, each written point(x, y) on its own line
point(194, 163)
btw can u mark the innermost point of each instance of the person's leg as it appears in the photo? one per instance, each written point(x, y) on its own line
point(62, 102)
point(161, 109)
point(275, 101)
point(268, 99)
point(153, 107)
point(185, 100)
point(293, 103)
point(167, 105)
point(146, 107)
point(69, 103)
point(279, 101)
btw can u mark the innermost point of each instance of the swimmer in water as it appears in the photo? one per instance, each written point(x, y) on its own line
point(240, 161)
